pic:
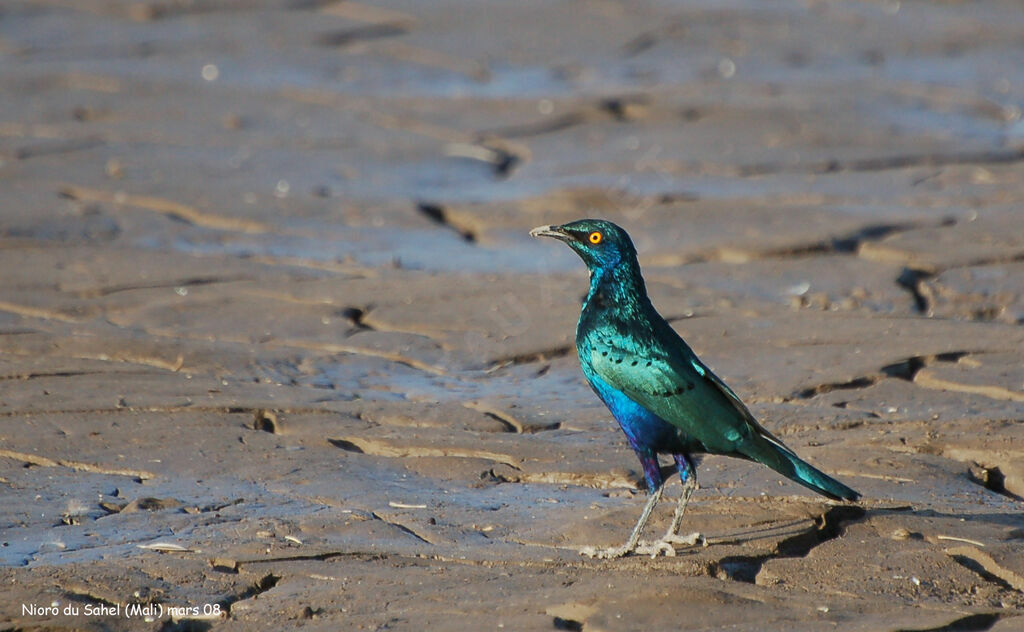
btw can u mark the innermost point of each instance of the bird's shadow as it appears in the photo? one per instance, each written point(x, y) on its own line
point(762, 531)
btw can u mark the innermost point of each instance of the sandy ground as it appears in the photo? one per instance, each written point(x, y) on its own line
point(277, 351)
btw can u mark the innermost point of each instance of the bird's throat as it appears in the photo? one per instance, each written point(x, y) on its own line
point(618, 288)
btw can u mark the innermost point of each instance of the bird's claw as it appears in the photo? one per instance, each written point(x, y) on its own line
point(693, 539)
point(656, 548)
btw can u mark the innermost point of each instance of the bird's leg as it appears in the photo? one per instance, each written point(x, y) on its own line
point(633, 543)
point(655, 487)
point(688, 477)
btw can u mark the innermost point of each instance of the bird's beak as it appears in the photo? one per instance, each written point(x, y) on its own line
point(550, 231)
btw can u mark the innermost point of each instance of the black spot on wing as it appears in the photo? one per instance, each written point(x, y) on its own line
point(679, 390)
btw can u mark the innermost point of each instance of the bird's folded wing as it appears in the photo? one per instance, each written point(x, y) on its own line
point(683, 392)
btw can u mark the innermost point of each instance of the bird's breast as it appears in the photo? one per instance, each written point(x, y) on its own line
point(643, 428)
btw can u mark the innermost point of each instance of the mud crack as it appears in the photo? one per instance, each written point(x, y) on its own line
point(346, 37)
point(567, 624)
point(169, 208)
point(266, 420)
point(511, 423)
point(844, 244)
point(505, 474)
point(992, 478)
point(988, 568)
point(904, 370)
point(261, 586)
point(914, 280)
point(357, 317)
point(438, 214)
point(31, 375)
point(51, 147)
point(970, 623)
point(821, 389)
point(884, 163)
point(531, 357)
point(376, 447)
point(987, 468)
point(42, 461)
point(401, 527)
point(502, 156)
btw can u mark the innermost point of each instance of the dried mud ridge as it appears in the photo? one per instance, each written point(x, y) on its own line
point(905, 370)
point(826, 527)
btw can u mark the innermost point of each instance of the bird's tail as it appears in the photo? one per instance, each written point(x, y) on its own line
point(771, 452)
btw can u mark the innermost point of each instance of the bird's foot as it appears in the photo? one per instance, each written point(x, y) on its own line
point(610, 553)
point(641, 548)
point(656, 548)
point(667, 544)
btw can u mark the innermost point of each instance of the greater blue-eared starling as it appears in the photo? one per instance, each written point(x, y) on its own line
point(665, 399)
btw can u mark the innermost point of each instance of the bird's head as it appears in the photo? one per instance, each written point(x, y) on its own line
point(601, 244)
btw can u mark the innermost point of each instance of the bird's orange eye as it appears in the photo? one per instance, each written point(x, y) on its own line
point(596, 237)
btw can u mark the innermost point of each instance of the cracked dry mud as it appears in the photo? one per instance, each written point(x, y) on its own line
point(273, 337)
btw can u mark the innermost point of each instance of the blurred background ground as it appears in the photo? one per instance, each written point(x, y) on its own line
point(275, 343)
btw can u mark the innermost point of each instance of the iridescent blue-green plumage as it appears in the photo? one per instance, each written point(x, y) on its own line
point(665, 399)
